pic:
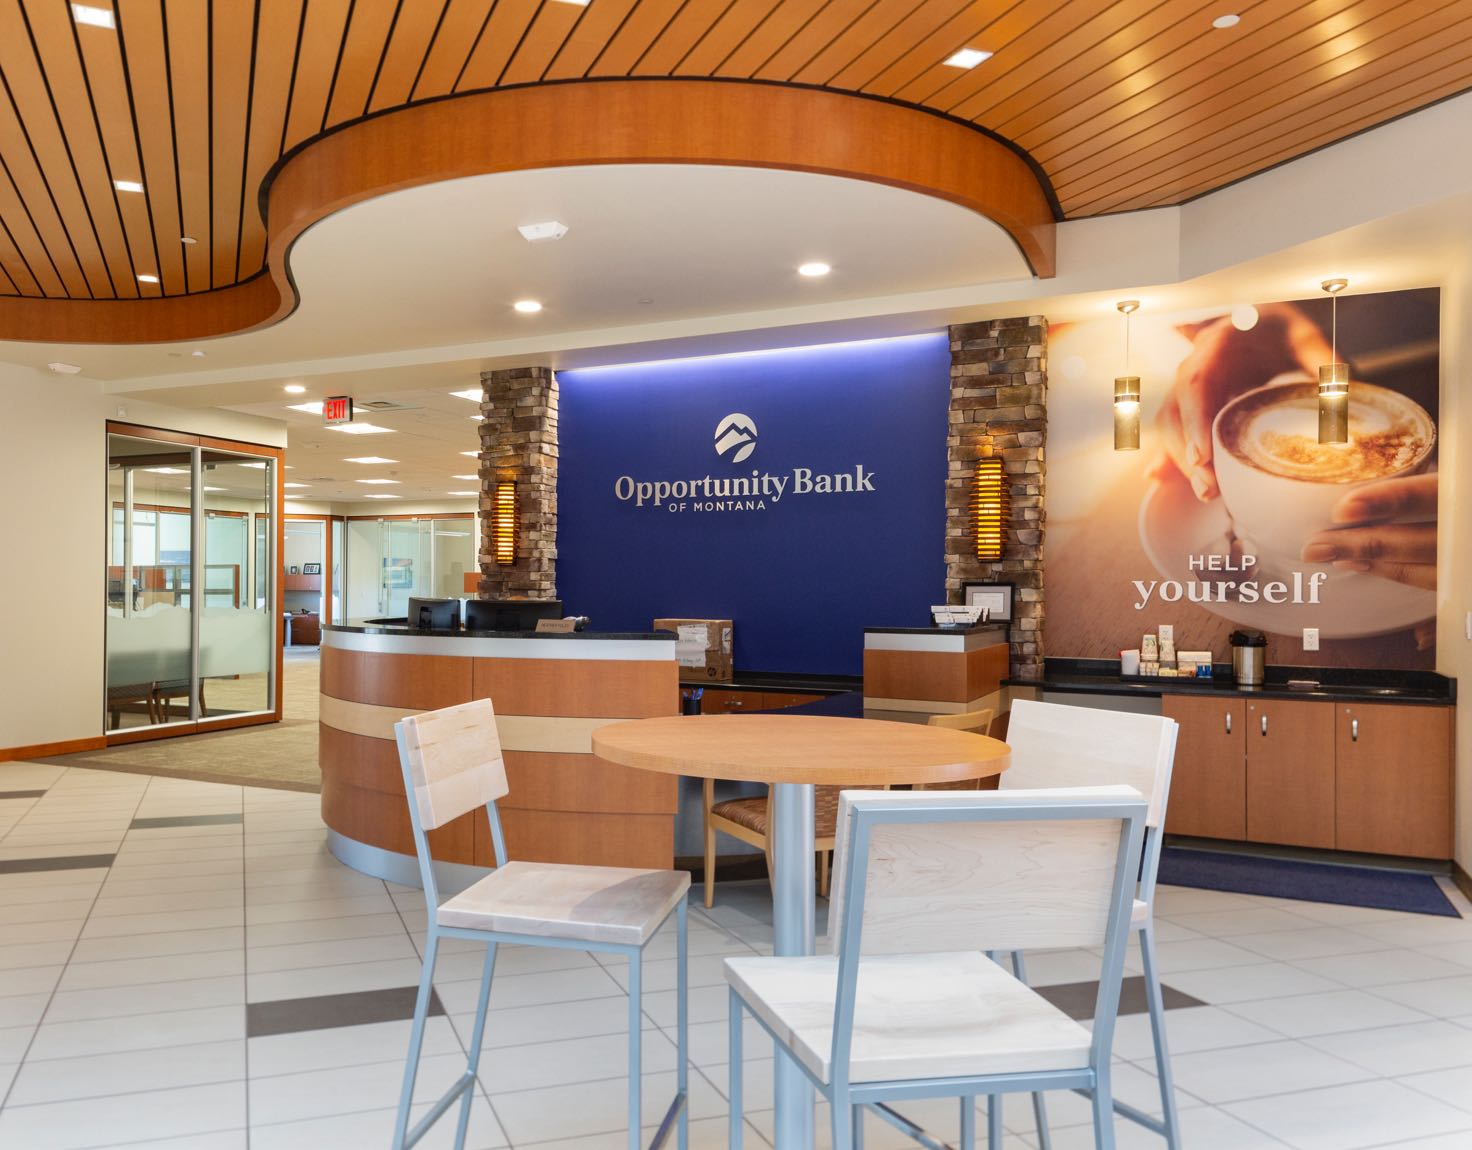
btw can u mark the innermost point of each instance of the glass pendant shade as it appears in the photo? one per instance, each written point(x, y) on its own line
point(1127, 413)
point(1334, 403)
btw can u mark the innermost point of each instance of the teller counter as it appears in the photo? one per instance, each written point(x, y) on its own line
point(550, 692)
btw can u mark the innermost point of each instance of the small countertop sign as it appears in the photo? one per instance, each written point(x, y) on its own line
point(1332, 684)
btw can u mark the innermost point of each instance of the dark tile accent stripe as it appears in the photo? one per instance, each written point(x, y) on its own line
point(186, 821)
point(58, 862)
point(21, 794)
point(1076, 999)
point(324, 1012)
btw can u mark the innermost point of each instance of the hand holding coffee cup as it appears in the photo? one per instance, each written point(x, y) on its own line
point(1294, 500)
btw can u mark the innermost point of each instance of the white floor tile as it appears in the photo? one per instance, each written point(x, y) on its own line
point(56, 1039)
point(1187, 1030)
point(1438, 996)
point(1351, 1117)
point(123, 1118)
point(575, 1111)
point(1331, 1012)
point(374, 1128)
point(116, 1001)
point(1452, 1086)
point(1394, 1051)
point(97, 1075)
point(340, 1046)
point(1221, 1076)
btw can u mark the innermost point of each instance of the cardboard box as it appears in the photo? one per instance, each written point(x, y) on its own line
point(703, 649)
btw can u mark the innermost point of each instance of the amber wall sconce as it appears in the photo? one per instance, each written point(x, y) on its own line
point(989, 508)
point(503, 522)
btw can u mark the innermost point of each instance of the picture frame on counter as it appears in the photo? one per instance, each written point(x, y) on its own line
point(311, 568)
point(996, 597)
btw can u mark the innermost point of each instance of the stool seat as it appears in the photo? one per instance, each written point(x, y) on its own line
point(916, 1016)
point(751, 812)
point(599, 904)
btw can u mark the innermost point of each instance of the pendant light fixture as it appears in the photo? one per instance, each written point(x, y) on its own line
point(1127, 392)
point(1334, 376)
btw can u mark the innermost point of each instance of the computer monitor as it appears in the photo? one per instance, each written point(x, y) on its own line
point(434, 614)
point(509, 614)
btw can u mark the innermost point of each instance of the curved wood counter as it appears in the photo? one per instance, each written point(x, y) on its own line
point(550, 692)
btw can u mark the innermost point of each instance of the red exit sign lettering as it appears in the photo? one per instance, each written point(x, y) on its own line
point(337, 409)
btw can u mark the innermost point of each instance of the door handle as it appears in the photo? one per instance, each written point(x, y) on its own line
point(1354, 730)
point(1264, 723)
point(1229, 722)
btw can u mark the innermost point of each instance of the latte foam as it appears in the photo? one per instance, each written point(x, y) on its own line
point(1279, 435)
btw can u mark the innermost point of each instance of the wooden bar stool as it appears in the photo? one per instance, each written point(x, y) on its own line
point(452, 764)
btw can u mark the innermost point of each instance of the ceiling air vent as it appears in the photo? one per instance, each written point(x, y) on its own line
point(383, 405)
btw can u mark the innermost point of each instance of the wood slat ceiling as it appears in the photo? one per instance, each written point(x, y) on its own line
point(1124, 104)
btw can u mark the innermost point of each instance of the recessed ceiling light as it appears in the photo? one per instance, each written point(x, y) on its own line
point(380, 497)
point(462, 492)
point(471, 393)
point(1230, 20)
point(197, 354)
point(471, 478)
point(472, 454)
point(294, 389)
point(477, 417)
point(537, 233)
point(63, 368)
point(212, 514)
point(145, 278)
point(93, 17)
point(360, 429)
point(394, 482)
point(255, 466)
point(814, 270)
point(168, 470)
point(296, 485)
point(968, 58)
point(369, 459)
point(188, 240)
point(127, 185)
point(528, 306)
point(312, 408)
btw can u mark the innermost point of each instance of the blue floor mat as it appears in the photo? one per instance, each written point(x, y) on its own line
point(1308, 881)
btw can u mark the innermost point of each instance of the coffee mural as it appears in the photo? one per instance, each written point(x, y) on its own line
point(1232, 514)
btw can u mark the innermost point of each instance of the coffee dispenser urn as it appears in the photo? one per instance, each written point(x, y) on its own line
point(1249, 653)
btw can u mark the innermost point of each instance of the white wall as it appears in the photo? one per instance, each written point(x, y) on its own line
point(52, 582)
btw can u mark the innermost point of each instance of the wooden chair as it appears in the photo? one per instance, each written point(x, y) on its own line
point(1054, 745)
point(452, 764)
point(907, 1007)
point(978, 721)
point(750, 820)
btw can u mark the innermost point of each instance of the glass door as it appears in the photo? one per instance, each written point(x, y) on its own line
point(191, 595)
point(406, 564)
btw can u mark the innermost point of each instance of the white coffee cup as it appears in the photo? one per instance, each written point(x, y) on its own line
point(1280, 485)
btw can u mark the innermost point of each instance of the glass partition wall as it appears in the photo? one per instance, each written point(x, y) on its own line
point(192, 594)
point(389, 560)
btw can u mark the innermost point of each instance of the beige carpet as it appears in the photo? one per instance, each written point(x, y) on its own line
point(280, 754)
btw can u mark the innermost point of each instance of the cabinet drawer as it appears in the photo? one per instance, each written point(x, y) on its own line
point(726, 702)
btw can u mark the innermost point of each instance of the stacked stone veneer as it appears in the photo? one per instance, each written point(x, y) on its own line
point(999, 387)
point(518, 440)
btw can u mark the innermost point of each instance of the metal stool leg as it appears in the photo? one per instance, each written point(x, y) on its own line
point(994, 1122)
point(968, 1122)
point(841, 1115)
point(636, 1067)
point(416, 1040)
point(1103, 1104)
point(473, 1066)
point(682, 1023)
point(735, 1019)
point(1156, 1003)
point(1039, 1108)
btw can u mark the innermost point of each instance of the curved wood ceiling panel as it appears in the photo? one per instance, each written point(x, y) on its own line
point(1121, 104)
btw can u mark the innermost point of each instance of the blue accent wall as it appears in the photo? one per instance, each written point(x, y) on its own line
point(801, 574)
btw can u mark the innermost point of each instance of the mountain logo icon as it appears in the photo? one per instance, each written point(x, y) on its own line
point(736, 437)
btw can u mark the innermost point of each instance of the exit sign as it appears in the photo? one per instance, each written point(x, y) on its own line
point(337, 409)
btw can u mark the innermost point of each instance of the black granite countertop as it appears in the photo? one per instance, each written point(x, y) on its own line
point(784, 681)
point(934, 630)
point(389, 629)
point(1334, 684)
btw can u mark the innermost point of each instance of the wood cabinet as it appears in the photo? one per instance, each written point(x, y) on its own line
point(301, 582)
point(1208, 785)
point(1290, 772)
point(1367, 777)
point(729, 701)
point(306, 630)
point(1394, 793)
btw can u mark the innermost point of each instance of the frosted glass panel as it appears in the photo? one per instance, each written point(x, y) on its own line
point(236, 656)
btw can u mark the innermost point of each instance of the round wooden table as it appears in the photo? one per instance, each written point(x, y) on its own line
point(792, 753)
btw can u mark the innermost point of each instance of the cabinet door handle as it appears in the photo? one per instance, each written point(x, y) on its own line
point(1229, 722)
point(1354, 730)
point(1264, 723)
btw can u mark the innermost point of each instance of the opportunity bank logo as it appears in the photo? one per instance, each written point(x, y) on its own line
point(736, 437)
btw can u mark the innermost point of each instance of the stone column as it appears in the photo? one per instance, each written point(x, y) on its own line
point(999, 387)
point(518, 440)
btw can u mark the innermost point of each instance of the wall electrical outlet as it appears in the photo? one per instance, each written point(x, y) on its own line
point(1310, 638)
point(1469, 626)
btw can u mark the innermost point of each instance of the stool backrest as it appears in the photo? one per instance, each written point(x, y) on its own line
point(981, 870)
point(452, 761)
point(978, 721)
point(1054, 745)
